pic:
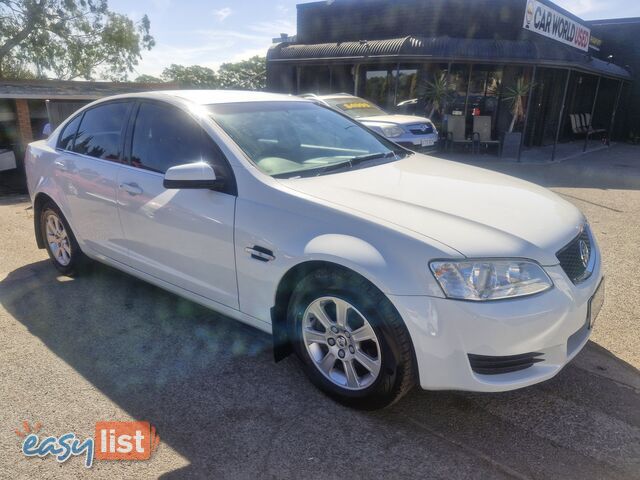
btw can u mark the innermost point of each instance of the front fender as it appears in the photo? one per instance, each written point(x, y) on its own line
point(396, 262)
point(349, 251)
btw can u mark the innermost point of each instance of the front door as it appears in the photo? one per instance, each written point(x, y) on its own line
point(181, 236)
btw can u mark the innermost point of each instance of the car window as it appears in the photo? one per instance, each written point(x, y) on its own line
point(165, 136)
point(292, 138)
point(100, 132)
point(68, 135)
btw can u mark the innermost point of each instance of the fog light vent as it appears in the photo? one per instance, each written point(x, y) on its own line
point(488, 365)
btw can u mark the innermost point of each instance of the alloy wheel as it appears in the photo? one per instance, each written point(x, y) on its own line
point(341, 343)
point(57, 239)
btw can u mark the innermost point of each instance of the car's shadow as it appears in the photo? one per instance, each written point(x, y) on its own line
point(210, 386)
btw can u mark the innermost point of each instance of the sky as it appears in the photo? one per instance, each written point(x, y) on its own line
point(208, 33)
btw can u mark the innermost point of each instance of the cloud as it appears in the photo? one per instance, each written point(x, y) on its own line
point(247, 54)
point(156, 60)
point(577, 7)
point(210, 47)
point(161, 5)
point(592, 9)
point(273, 28)
point(222, 13)
point(217, 35)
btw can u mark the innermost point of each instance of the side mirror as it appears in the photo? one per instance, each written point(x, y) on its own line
point(191, 175)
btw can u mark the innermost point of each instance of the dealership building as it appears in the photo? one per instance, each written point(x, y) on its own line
point(402, 54)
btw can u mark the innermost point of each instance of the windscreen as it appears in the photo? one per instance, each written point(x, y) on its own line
point(287, 139)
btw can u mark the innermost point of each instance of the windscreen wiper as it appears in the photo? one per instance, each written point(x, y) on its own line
point(355, 161)
point(371, 156)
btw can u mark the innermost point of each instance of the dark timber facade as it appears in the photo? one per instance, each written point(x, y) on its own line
point(398, 53)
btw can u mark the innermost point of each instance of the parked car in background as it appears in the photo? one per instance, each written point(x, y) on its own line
point(415, 133)
point(7, 159)
point(379, 267)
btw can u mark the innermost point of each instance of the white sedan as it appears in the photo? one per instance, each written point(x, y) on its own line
point(379, 267)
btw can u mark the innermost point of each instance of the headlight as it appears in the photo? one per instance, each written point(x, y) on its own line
point(481, 280)
point(392, 131)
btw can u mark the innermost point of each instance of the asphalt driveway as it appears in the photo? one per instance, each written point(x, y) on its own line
point(105, 346)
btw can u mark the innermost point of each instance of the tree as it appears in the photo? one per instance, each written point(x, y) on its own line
point(69, 39)
point(245, 75)
point(194, 76)
point(148, 79)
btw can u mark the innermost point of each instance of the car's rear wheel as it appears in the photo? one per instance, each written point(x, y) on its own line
point(60, 243)
point(352, 342)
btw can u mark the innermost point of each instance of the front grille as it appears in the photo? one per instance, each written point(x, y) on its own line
point(574, 258)
point(422, 129)
point(488, 365)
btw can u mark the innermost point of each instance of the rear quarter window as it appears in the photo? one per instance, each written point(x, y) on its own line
point(68, 134)
point(100, 132)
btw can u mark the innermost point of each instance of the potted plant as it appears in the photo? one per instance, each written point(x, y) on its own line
point(515, 97)
point(438, 93)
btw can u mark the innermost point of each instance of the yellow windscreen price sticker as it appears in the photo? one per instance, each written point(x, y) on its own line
point(351, 106)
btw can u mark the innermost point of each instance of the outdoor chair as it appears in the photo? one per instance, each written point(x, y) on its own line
point(581, 125)
point(482, 132)
point(455, 127)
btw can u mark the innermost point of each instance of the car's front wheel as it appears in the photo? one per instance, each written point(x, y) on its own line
point(60, 243)
point(352, 342)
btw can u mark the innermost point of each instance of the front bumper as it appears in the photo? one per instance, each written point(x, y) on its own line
point(428, 141)
point(445, 332)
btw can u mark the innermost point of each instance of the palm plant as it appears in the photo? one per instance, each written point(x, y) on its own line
point(515, 96)
point(438, 92)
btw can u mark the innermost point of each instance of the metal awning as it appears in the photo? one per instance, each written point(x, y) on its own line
point(448, 49)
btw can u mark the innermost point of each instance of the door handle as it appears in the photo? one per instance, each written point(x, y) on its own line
point(131, 188)
point(260, 253)
point(60, 165)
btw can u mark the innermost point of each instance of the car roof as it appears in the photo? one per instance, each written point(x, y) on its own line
point(208, 97)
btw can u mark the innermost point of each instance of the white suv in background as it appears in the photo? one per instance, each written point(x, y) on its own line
point(410, 131)
point(379, 267)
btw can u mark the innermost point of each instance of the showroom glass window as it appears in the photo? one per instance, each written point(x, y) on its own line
point(484, 91)
point(407, 78)
point(379, 84)
point(315, 79)
point(100, 132)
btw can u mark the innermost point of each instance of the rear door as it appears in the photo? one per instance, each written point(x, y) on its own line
point(90, 153)
point(182, 236)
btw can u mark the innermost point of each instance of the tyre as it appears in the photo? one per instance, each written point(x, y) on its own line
point(60, 243)
point(352, 342)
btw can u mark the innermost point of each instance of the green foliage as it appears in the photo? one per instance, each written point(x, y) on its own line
point(69, 39)
point(147, 79)
point(438, 92)
point(515, 97)
point(194, 76)
point(244, 75)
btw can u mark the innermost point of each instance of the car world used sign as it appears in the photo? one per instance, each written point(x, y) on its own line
point(546, 21)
